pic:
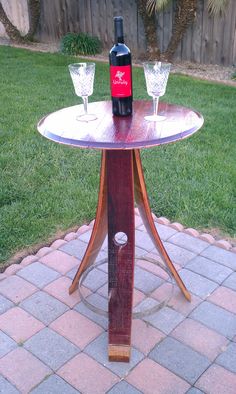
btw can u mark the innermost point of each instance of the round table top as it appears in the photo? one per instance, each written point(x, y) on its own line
point(112, 132)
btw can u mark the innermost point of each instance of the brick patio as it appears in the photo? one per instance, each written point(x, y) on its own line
point(51, 343)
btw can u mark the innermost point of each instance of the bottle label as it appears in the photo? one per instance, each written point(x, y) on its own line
point(120, 81)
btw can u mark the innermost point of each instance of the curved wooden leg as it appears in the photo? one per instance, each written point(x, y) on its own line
point(99, 231)
point(141, 199)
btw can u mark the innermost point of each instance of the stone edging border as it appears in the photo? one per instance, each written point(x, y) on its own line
point(12, 269)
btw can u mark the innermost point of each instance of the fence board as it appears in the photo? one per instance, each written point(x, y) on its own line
point(209, 40)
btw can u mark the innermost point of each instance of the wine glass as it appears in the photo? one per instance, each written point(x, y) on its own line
point(82, 75)
point(156, 75)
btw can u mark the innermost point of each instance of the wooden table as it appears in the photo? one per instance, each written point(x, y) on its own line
point(121, 185)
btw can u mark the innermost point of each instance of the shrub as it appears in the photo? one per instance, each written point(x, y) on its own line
point(80, 44)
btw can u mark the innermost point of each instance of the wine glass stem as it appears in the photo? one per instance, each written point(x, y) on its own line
point(155, 105)
point(85, 100)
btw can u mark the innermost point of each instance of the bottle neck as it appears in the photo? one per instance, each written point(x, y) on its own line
point(119, 32)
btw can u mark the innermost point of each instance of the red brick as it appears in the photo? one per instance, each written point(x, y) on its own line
point(87, 375)
point(70, 236)
point(43, 251)
point(163, 220)
point(16, 288)
point(82, 229)
point(217, 380)
point(222, 243)
point(144, 336)
point(60, 290)
point(28, 260)
point(59, 261)
point(58, 243)
point(77, 328)
point(23, 370)
point(177, 226)
point(207, 237)
point(12, 269)
point(19, 325)
point(200, 338)
point(150, 377)
point(178, 302)
point(191, 231)
point(224, 297)
point(151, 267)
point(138, 296)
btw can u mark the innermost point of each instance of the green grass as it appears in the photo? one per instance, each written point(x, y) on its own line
point(46, 188)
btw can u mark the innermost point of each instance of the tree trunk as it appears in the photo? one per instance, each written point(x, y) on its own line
point(34, 14)
point(184, 16)
point(150, 28)
point(11, 30)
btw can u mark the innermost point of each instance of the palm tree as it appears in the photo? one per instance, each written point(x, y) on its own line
point(184, 16)
point(11, 30)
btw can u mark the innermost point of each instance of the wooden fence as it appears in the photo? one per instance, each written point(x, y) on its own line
point(209, 40)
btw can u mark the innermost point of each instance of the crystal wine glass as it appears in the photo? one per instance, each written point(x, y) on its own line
point(82, 75)
point(156, 75)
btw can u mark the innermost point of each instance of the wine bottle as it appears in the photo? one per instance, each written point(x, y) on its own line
point(120, 73)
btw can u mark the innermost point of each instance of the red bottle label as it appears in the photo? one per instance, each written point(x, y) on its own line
point(120, 78)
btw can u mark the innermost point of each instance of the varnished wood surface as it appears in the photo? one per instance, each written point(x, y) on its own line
point(110, 132)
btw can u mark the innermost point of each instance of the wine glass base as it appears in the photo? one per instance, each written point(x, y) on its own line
point(86, 117)
point(154, 118)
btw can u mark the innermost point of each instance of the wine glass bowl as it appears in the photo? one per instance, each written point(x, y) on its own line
point(156, 76)
point(82, 75)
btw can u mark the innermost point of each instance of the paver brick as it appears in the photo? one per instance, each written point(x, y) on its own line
point(188, 242)
point(12, 269)
point(23, 370)
point(59, 261)
point(165, 232)
point(95, 279)
point(38, 274)
point(143, 240)
point(28, 260)
point(54, 385)
point(44, 307)
point(5, 304)
point(51, 348)
point(98, 350)
point(19, 325)
point(177, 254)
point(217, 380)
point(75, 248)
point(194, 390)
point(227, 359)
point(145, 281)
point(180, 359)
point(197, 284)
point(153, 268)
point(16, 288)
point(123, 387)
point(231, 281)
point(6, 387)
point(224, 297)
point(166, 319)
point(7, 344)
point(200, 338)
point(77, 328)
point(98, 301)
point(217, 318)
point(209, 269)
point(87, 375)
point(221, 256)
point(144, 336)
point(150, 377)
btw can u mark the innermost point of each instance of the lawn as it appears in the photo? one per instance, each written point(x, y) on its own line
point(46, 188)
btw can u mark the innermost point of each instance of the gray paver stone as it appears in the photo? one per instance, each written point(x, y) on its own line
point(217, 318)
point(165, 232)
point(180, 359)
point(146, 281)
point(75, 248)
point(179, 255)
point(197, 284)
point(147, 303)
point(98, 301)
point(38, 274)
point(124, 387)
point(228, 358)
point(194, 390)
point(221, 256)
point(5, 304)
point(143, 240)
point(95, 279)
point(44, 307)
point(188, 242)
point(208, 268)
point(51, 348)
point(166, 319)
point(6, 387)
point(6, 344)
point(98, 350)
point(231, 281)
point(54, 385)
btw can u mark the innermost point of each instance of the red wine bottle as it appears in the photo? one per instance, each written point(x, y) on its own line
point(120, 73)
